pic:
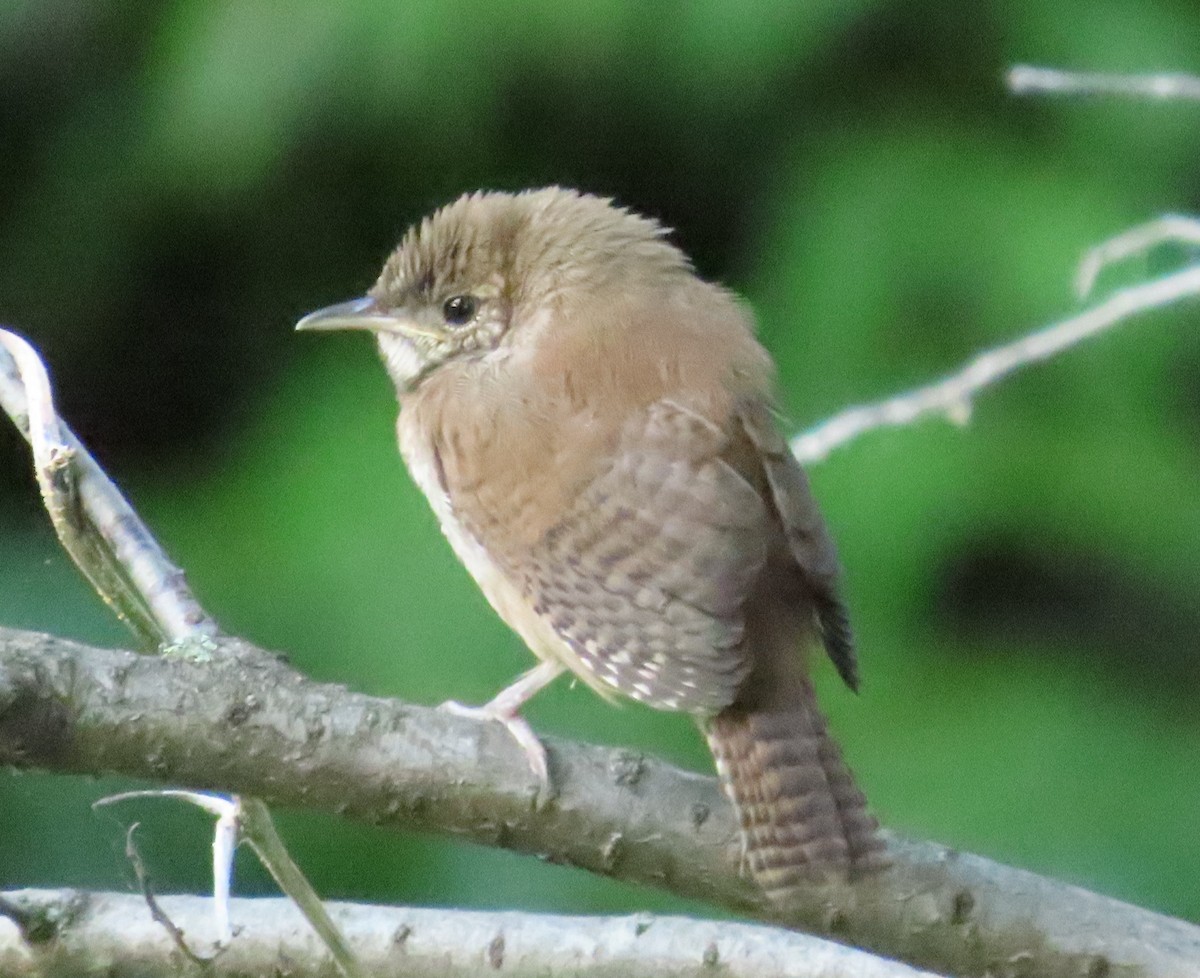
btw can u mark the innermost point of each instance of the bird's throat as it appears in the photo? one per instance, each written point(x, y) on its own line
point(405, 363)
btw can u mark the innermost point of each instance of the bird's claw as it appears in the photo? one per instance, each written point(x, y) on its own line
point(520, 731)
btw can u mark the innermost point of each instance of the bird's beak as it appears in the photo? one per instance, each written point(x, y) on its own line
point(363, 313)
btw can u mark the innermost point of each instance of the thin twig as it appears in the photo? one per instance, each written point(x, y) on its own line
point(1168, 229)
point(952, 396)
point(227, 812)
point(248, 820)
point(94, 522)
point(156, 911)
point(259, 831)
point(1034, 80)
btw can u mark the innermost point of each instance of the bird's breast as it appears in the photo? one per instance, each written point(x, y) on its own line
point(485, 515)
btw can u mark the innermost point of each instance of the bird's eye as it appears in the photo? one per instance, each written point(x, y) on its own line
point(459, 309)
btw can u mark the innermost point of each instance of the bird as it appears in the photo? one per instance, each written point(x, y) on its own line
point(594, 426)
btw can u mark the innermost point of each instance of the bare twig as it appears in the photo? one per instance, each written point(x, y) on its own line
point(224, 844)
point(1168, 229)
point(96, 525)
point(1034, 80)
point(952, 396)
point(260, 833)
point(244, 820)
point(156, 911)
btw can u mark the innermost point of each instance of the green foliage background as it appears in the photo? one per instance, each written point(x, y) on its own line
point(179, 181)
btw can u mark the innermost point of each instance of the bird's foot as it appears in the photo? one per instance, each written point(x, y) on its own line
point(518, 727)
point(505, 708)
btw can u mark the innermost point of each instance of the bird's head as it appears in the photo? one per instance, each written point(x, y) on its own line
point(491, 270)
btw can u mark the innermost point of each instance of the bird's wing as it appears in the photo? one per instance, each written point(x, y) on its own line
point(807, 536)
point(646, 577)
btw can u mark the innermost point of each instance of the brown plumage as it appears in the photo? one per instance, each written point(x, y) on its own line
point(591, 423)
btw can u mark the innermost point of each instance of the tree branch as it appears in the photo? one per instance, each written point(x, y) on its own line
point(103, 933)
point(242, 721)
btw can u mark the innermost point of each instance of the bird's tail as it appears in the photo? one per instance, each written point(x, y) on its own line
point(803, 818)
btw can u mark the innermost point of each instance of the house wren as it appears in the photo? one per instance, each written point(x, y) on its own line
point(591, 422)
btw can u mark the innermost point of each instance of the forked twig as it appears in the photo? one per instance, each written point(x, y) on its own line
point(953, 395)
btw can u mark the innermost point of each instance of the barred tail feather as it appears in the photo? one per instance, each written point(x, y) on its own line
point(803, 818)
